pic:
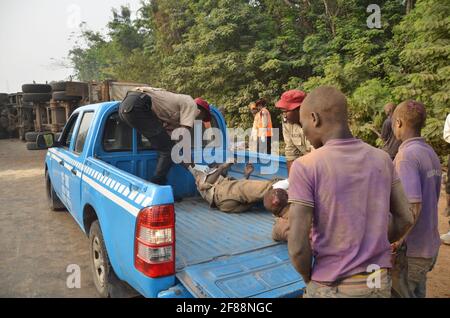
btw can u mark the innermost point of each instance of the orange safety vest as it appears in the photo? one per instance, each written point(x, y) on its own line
point(263, 131)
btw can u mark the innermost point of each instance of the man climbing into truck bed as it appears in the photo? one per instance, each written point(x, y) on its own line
point(155, 113)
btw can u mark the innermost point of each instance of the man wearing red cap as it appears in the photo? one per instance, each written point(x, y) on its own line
point(155, 113)
point(296, 143)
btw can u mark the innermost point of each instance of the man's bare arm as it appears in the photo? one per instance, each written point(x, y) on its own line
point(299, 246)
point(402, 213)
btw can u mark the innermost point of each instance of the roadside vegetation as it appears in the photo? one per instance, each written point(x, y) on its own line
point(232, 52)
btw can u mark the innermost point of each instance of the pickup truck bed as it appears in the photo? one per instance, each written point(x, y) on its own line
point(204, 233)
point(231, 255)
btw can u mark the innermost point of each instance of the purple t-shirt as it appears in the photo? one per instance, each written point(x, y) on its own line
point(348, 183)
point(419, 169)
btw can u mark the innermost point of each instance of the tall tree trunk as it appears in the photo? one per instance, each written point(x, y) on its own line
point(331, 11)
point(409, 5)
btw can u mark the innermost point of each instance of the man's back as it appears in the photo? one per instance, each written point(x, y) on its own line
point(348, 183)
point(391, 143)
point(419, 168)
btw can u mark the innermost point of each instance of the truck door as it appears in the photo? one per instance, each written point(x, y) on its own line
point(74, 166)
point(58, 176)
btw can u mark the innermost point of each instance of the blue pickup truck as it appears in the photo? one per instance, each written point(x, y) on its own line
point(141, 240)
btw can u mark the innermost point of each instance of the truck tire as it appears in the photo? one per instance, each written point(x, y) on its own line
point(31, 136)
point(36, 88)
point(54, 202)
point(4, 99)
point(32, 146)
point(37, 97)
point(58, 86)
point(63, 97)
point(100, 264)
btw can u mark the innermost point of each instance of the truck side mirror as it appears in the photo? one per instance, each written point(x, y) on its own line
point(46, 140)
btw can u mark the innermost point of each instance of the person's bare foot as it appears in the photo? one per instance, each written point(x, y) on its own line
point(249, 168)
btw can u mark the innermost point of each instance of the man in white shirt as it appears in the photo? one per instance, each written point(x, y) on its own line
point(445, 238)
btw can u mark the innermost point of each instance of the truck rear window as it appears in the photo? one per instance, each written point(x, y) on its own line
point(117, 136)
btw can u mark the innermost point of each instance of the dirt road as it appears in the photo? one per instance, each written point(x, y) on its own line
point(37, 245)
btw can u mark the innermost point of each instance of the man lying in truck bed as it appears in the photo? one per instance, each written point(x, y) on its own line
point(233, 196)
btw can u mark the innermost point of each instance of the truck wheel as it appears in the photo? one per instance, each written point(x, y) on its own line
point(32, 146)
point(36, 88)
point(54, 202)
point(36, 97)
point(63, 97)
point(31, 136)
point(101, 267)
point(58, 86)
point(4, 98)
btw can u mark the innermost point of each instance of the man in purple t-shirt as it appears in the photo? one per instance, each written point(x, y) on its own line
point(419, 169)
point(342, 193)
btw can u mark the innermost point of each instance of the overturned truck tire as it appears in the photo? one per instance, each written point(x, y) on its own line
point(31, 136)
point(58, 86)
point(37, 97)
point(63, 97)
point(32, 146)
point(36, 88)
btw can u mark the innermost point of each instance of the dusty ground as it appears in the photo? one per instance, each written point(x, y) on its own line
point(37, 245)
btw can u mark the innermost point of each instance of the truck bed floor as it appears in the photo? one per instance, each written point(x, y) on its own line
point(204, 233)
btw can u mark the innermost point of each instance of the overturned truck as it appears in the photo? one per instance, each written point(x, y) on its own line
point(53, 103)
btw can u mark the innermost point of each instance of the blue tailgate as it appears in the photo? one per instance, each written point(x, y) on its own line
point(261, 273)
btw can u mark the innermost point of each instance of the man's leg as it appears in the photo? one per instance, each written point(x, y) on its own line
point(141, 117)
point(399, 274)
point(240, 195)
point(418, 269)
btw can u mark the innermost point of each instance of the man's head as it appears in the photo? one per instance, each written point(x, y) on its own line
point(260, 103)
point(389, 108)
point(323, 111)
point(275, 200)
point(253, 108)
point(290, 103)
point(408, 119)
point(205, 111)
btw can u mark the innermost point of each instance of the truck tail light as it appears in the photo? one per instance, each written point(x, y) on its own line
point(154, 247)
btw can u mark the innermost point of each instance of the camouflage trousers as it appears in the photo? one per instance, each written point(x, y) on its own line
point(355, 286)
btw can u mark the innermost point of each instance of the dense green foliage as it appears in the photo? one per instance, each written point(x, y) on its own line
point(232, 52)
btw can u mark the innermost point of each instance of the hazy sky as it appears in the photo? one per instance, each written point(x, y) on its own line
point(36, 33)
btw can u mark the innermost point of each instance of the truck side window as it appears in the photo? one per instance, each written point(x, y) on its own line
point(117, 136)
point(83, 131)
point(68, 131)
point(143, 143)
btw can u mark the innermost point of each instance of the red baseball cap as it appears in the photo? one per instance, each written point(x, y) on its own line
point(204, 104)
point(290, 100)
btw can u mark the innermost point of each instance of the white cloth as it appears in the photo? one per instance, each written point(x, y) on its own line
point(447, 129)
point(282, 184)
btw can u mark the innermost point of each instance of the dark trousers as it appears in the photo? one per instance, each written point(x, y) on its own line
point(265, 147)
point(135, 110)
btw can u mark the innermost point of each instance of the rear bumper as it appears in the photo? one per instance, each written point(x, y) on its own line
point(177, 291)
